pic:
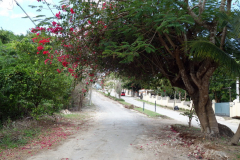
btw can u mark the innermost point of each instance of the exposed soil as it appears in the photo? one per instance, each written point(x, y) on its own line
point(202, 148)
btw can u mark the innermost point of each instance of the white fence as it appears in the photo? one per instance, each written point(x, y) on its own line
point(166, 101)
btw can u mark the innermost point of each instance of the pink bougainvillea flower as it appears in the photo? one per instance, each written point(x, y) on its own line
point(58, 71)
point(70, 70)
point(44, 41)
point(54, 23)
point(37, 34)
point(87, 83)
point(58, 15)
point(91, 80)
point(105, 26)
point(45, 52)
point(91, 74)
point(71, 29)
point(63, 7)
point(65, 64)
point(89, 22)
point(46, 61)
point(37, 52)
point(104, 4)
point(34, 39)
point(40, 48)
point(72, 11)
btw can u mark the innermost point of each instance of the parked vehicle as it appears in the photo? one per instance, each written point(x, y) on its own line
point(123, 94)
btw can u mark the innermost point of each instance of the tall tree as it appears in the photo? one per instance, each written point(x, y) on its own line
point(155, 36)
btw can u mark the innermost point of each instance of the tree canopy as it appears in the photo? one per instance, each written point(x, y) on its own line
point(182, 41)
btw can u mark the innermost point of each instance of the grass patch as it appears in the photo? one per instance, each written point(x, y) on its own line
point(148, 102)
point(30, 136)
point(73, 116)
point(125, 103)
point(15, 137)
point(151, 113)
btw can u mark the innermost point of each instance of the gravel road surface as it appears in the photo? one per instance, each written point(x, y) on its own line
point(117, 133)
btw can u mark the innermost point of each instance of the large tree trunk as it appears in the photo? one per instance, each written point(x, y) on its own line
point(205, 113)
point(236, 137)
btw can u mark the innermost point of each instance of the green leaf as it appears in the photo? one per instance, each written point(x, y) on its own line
point(40, 16)
point(205, 49)
point(32, 6)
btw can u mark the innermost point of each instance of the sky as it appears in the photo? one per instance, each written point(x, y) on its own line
point(10, 14)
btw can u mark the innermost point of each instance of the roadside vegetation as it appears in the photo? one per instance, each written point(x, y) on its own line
point(28, 86)
point(33, 91)
point(24, 138)
point(150, 113)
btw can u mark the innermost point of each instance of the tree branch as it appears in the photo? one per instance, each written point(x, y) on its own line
point(193, 76)
point(176, 78)
point(169, 40)
point(183, 73)
point(203, 68)
point(195, 17)
point(164, 44)
point(208, 75)
point(224, 32)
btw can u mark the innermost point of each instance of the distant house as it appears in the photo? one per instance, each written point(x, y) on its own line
point(146, 92)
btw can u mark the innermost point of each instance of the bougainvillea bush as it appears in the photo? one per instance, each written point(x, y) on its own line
point(28, 85)
point(71, 33)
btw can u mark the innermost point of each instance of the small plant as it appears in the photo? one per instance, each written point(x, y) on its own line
point(190, 114)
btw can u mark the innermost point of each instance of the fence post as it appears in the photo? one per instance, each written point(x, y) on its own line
point(155, 106)
point(143, 105)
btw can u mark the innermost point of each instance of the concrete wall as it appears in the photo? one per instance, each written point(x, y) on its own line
point(234, 109)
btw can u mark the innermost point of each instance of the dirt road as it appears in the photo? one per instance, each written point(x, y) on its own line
point(117, 133)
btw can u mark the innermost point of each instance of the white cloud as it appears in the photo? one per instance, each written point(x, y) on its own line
point(7, 8)
point(4, 13)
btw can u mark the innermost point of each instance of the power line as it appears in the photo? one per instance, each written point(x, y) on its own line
point(25, 13)
point(49, 8)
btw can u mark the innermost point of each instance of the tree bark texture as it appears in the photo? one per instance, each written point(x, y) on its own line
point(205, 113)
point(236, 137)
